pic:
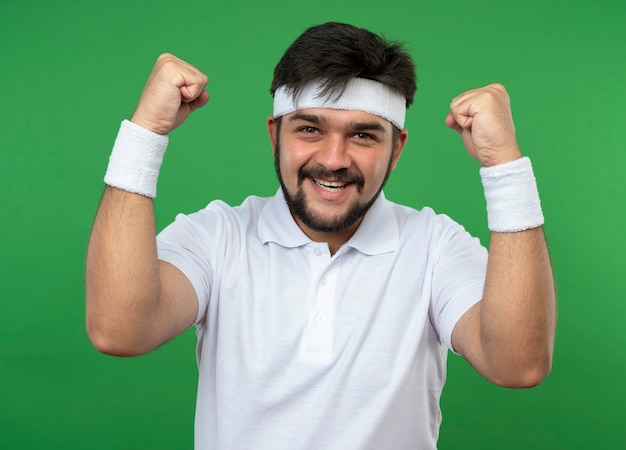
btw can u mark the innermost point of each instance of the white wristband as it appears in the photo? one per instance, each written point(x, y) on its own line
point(136, 159)
point(512, 198)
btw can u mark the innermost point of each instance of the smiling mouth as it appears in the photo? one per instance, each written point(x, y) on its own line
point(333, 186)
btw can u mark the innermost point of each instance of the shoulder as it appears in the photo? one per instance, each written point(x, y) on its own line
point(426, 227)
point(220, 211)
point(218, 218)
point(425, 218)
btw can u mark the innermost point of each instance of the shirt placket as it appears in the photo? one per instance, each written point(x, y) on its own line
point(321, 312)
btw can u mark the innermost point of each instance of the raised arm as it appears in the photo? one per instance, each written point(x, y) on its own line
point(134, 302)
point(509, 335)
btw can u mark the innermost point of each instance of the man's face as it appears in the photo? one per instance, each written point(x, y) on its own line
point(332, 164)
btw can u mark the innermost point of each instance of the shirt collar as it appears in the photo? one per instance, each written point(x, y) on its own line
point(276, 224)
point(377, 234)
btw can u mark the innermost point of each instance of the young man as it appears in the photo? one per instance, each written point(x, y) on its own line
point(324, 313)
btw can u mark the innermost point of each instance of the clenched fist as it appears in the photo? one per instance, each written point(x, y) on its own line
point(173, 91)
point(483, 119)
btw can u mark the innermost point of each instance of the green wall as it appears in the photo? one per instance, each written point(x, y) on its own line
point(70, 71)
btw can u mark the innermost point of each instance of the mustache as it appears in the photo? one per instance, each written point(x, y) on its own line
point(341, 175)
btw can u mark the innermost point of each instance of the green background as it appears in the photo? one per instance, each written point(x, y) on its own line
point(71, 71)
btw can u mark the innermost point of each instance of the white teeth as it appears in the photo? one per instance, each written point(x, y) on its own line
point(330, 185)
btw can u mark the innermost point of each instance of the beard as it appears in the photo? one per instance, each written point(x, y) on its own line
point(298, 203)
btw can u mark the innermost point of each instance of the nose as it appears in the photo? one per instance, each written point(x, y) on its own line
point(333, 153)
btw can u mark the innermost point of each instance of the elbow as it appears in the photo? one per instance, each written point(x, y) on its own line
point(112, 329)
point(109, 341)
point(529, 376)
point(528, 380)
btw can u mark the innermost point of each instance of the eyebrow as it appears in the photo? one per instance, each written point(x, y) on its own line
point(308, 118)
point(356, 126)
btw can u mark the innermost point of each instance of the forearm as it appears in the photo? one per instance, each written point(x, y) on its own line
point(122, 278)
point(508, 336)
point(517, 313)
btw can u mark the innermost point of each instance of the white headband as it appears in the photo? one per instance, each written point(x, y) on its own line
point(360, 94)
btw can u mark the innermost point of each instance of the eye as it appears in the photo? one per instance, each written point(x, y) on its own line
point(365, 137)
point(308, 130)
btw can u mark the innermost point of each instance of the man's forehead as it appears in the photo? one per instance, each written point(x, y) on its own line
point(340, 117)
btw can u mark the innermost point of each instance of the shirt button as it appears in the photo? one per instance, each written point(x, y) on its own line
point(323, 282)
point(317, 252)
point(320, 318)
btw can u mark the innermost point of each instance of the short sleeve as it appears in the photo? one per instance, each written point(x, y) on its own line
point(458, 279)
point(183, 245)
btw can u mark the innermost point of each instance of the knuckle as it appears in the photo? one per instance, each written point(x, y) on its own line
point(167, 61)
point(164, 57)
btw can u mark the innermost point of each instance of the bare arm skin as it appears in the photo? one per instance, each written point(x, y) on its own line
point(508, 336)
point(134, 302)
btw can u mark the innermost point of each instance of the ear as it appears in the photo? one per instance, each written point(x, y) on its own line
point(399, 146)
point(271, 130)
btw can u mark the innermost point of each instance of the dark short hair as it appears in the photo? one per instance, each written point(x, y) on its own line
point(333, 53)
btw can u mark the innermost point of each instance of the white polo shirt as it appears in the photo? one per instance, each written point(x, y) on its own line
point(298, 349)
